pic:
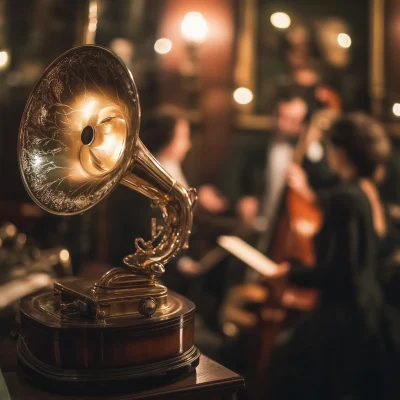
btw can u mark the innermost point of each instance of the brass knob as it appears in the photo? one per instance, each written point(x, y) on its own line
point(147, 306)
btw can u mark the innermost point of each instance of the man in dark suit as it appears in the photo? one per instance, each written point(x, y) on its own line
point(256, 173)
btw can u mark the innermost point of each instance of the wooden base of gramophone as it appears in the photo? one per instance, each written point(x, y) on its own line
point(73, 348)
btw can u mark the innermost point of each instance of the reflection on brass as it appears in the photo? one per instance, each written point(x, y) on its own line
point(77, 297)
point(78, 139)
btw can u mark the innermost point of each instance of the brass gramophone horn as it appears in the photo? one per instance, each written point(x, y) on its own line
point(79, 138)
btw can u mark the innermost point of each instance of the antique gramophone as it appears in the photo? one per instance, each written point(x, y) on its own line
point(78, 139)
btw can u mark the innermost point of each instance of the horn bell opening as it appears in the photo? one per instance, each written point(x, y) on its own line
point(79, 131)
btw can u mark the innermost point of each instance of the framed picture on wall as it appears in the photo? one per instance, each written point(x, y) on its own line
point(319, 49)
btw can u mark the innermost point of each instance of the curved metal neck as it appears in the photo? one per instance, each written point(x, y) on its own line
point(176, 203)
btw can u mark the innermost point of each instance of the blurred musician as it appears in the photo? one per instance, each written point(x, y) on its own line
point(347, 346)
point(256, 176)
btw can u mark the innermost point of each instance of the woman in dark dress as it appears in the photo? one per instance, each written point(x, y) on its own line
point(345, 348)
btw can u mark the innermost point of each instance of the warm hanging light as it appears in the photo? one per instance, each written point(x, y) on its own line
point(243, 95)
point(344, 40)
point(163, 46)
point(194, 27)
point(280, 20)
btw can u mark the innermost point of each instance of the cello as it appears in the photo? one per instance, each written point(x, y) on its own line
point(293, 224)
point(296, 219)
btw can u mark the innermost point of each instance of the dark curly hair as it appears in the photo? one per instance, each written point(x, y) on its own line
point(364, 141)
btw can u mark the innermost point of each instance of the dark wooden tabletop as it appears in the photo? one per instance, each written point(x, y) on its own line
point(208, 379)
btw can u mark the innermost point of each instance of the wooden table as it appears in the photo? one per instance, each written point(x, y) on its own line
point(210, 381)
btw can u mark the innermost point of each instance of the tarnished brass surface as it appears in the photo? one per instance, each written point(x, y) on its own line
point(78, 138)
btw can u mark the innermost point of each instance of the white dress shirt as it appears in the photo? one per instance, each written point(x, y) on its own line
point(279, 157)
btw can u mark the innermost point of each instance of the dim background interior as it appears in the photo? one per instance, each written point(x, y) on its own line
point(242, 47)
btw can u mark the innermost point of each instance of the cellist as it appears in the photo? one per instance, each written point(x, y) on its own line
point(256, 174)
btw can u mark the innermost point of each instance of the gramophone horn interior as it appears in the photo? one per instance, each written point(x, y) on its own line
point(79, 130)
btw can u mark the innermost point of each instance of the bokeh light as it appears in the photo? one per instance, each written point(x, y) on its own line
point(3, 59)
point(11, 230)
point(280, 20)
point(396, 109)
point(194, 27)
point(64, 255)
point(344, 40)
point(163, 46)
point(243, 95)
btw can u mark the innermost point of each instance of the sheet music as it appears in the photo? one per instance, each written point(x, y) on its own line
point(248, 254)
